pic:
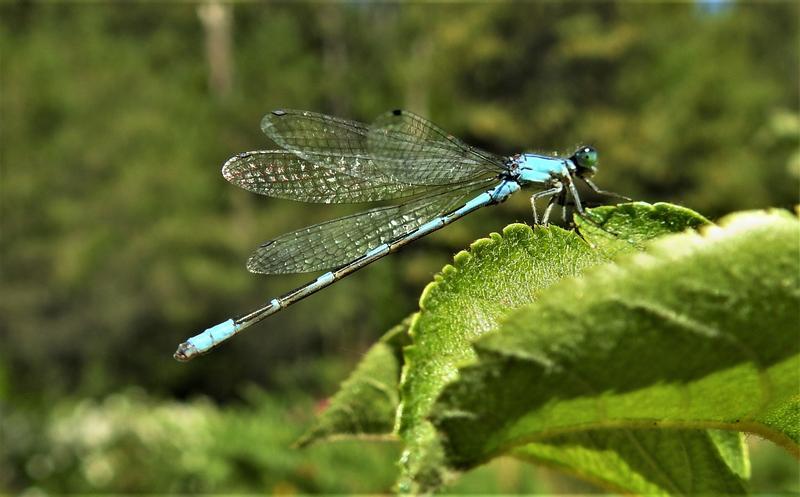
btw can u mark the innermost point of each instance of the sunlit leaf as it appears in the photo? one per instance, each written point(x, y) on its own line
point(471, 297)
point(699, 332)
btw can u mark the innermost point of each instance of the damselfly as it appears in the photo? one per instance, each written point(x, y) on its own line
point(401, 156)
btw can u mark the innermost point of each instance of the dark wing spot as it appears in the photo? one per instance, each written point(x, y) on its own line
point(397, 112)
point(279, 112)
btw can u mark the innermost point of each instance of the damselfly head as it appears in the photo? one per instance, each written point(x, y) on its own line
point(585, 160)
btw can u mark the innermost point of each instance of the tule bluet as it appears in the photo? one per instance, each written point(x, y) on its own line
point(436, 178)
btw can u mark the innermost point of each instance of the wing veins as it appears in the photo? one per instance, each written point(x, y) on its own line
point(336, 242)
point(319, 138)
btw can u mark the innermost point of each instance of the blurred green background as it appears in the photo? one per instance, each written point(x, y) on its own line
point(119, 237)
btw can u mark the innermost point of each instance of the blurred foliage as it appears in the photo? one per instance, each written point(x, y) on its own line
point(130, 443)
point(119, 238)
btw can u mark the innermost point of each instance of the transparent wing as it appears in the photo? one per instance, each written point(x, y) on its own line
point(282, 174)
point(335, 243)
point(377, 151)
point(413, 148)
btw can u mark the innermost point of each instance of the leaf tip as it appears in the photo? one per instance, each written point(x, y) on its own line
point(481, 243)
point(423, 298)
point(517, 229)
point(459, 259)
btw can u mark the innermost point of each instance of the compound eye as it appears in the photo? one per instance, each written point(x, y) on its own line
point(587, 157)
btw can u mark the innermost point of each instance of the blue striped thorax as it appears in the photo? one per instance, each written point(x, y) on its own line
point(533, 168)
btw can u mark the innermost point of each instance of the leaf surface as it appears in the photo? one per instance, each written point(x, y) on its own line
point(649, 462)
point(472, 297)
point(366, 404)
point(699, 332)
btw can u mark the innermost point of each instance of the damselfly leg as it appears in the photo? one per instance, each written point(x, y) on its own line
point(552, 192)
point(607, 193)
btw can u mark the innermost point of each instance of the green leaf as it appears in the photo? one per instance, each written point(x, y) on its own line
point(649, 462)
point(468, 299)
point(618, 228)
point(699, 332)
point(366, 404)
point(473, 295)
